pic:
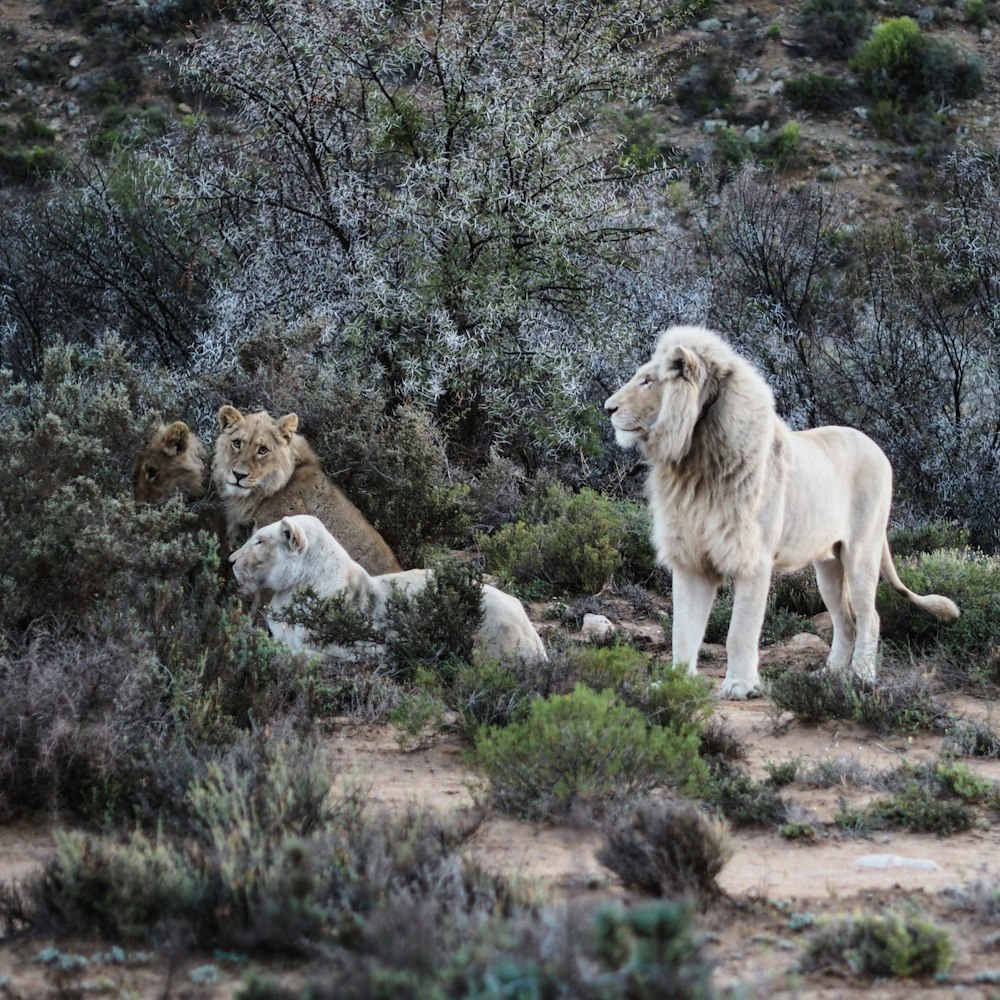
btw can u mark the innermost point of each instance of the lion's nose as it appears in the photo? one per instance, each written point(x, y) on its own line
point(609, 409)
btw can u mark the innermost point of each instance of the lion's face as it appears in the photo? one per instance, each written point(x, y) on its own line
point(271, 558)
point(253, 453)
point(658, 408)
point(635, 407)
point(169, 463)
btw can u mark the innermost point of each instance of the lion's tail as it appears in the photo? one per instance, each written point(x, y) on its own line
point(941, 607)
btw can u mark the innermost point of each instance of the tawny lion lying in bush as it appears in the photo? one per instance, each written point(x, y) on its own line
point(298, 553)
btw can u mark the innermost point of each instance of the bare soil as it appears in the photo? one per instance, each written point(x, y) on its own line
point(772, 885)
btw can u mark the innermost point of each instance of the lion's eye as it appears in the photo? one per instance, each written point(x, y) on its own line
point(237, 444)
point(151, 473)
point(262, 450)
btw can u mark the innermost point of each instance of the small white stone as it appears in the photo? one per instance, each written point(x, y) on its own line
point(885, 861)
point(596, 625)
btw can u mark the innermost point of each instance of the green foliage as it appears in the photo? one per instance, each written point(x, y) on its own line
point(899, 63)
point(780, 620)
point(900, 943)
point(743, 801)
point(819, 93)
point(585, 751)
point(833, 28)
point(666, 848)
point(969, 578)
point(974, 12)
point(575, 542)
point(888, 706)
point(927, 536)
point(707, 85)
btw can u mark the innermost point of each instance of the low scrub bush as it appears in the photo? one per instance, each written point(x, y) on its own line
point(667, 848)
point(901, 943)
point(900, 63)
point(781, 619)
point(927, 536)
point(891, 705)
point(572, 542)
point(743, 801)
point(833, 28)
point(820, 93)
point(969, 578)
point(582, 752)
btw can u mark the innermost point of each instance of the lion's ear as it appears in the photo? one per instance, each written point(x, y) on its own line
point(177, 438)
point(294, 537)
point(228, 415)
point(288, 425)
point(686, 363)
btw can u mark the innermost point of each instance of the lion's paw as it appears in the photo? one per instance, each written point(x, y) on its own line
point(739, 689)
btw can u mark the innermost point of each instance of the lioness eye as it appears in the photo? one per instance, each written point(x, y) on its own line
point(262, 450)
point(237, 444)
point(151, 474)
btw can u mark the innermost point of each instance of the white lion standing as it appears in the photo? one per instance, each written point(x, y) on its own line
point(297, 553)
point(735, 493)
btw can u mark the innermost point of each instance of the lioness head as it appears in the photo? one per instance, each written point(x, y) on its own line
point(659, 407)
point(170, 462)
point(253, 453)
point(271, 559)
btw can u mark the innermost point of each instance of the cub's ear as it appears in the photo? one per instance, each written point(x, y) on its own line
point(293, 536)
point(177, 438)
point(288, 425)
point(686, 363)
point(228, 415)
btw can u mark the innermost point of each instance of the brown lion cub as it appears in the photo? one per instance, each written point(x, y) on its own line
point(170, 462)
point(265, 471)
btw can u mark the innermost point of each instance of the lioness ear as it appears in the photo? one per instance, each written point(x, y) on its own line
point(288, 425)
point(176, 438)
point(228, 415)
point(293, 535)
point(686, 363)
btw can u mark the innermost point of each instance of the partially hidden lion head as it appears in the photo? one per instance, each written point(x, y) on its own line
point(658, 409)
point(254, 453)
point(170, 462)
point(269, 558)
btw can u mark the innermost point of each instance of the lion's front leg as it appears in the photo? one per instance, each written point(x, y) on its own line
point(749, 605)
point(693, 596)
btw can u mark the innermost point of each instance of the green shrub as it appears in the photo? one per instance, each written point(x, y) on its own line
point(893, 943)
point(833, 28)
point(974, 12)
point(780, 621)
point(819, 93)
point(927, 536)
point(745, 802)
point(576, 544)
point(582, 751)
point(969, 578)
point(706, 85)
point(667, 848)
point(900, 64)
point(903, 704)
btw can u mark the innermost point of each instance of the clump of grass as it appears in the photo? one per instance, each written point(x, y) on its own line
point(667, 848)
point(898, 705)
point(894, 943)
point(972, 738)
point(745, 802)
point(583, 752)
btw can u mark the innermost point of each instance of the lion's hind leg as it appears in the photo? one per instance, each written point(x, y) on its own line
point(836, 596)
point(862, 573)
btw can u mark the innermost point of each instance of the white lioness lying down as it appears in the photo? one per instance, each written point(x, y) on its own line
point(298, 552)
point(734, 492)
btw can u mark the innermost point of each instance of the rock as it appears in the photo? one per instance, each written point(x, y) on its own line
point(710, 24)
point(776, 88)
point(780, 73)
point(714, 125)
point(72, 83)
point(596, 625)
point(75, 62)
point(753, 134)
point(985, 36)
point(823, 622)
point(748, 76)
point(880, 862)
point(806, 642)
point(184, 109)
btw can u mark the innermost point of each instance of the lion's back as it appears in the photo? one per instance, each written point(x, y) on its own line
point(310, 491)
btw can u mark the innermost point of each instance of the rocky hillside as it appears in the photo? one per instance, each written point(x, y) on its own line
point(752, 80)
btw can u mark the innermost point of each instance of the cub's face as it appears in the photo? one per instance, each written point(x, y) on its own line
point(253, 453)
point(635, 407)
point(170, 463)
point(267, 561)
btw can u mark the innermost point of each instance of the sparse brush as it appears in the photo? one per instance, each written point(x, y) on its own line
point(904, 704)
point(900, 943)
point(971, 738)
point(667, 847)
point(743, 801)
